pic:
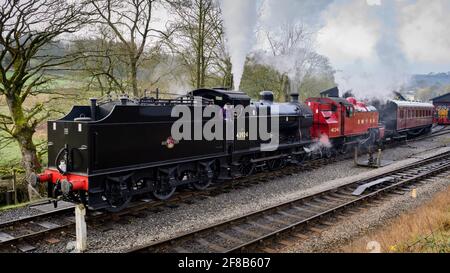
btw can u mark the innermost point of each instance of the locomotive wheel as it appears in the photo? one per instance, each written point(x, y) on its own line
point(276, 164)
point(203, 184)
point(299, 159)
point(343, 149)
point(164, 192)
point(118, 204)
point(117, 195)
point(327, 152)
point(247, 168)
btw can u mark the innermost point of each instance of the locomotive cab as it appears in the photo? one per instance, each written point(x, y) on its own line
point(344, 122)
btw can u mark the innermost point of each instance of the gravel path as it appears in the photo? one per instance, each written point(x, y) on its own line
point(17, 213)
point(135, 231)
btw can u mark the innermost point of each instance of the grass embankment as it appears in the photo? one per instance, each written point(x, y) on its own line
point(425, 230)
point(21, 205)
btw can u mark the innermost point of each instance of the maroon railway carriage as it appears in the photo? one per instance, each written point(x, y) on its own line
point(344, 121)
point(403, 118)
point(442, 107)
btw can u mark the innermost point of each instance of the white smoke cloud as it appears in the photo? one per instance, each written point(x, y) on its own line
point(425, 31)
point(361, 40)
point(375, 45)
point(373, 2)
point(277, 12)
point(240, 18)
point(350, 32)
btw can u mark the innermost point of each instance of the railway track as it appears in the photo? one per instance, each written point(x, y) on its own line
point(21, 234)
point(252, 230)
point(16, 232)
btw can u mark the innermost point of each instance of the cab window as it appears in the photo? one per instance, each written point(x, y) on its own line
point(333, 108)
point(350, 111)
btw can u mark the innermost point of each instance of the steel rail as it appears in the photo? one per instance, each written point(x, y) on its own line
point(422, 169)
point(180, 197)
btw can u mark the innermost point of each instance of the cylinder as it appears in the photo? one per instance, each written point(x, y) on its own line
point(93, 109)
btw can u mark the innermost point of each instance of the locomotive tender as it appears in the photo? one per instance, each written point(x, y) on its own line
point(105, 154)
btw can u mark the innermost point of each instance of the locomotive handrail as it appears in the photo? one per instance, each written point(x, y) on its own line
point(184, 100)
point(178, 101)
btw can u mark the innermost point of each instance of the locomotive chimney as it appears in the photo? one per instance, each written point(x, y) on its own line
point(123, 100)
point(93, 109)
point(266, 96)
point(294, 97)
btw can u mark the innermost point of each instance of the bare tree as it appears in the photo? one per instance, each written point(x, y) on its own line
point(102, 62)
point(198, 28)
point(27, 29)
point(292, 55)
point(222, 61)
point(130, 21)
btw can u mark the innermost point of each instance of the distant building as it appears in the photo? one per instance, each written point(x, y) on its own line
point(442, 104)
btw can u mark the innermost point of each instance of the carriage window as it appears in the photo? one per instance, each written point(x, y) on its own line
point(402, 114)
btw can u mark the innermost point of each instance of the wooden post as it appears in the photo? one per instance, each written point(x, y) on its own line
point(414, 193)
point(14, 187)
point(356, 156)
point(379, 158)
point(80, 226)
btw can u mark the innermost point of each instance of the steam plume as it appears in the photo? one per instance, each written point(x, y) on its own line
point(240, 17)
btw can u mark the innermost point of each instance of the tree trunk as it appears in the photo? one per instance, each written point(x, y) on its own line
point(30, 160)
point(200, 46)
point(133, 77)
point(23, 134)
point(228, 76)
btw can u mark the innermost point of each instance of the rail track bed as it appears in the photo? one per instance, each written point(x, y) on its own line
point(251, 231)
point(17, 232)
point(22, 234)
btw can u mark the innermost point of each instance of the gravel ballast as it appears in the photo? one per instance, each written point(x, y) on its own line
point(357, 225)
point(135, 231)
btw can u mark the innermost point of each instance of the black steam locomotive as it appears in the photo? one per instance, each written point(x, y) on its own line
point(105, 154)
